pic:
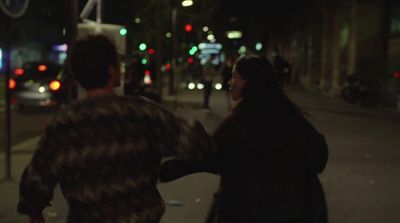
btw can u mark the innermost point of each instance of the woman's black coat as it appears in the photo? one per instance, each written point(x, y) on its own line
point(269, 163)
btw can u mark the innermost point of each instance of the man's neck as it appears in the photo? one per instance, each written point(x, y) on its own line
point(99, 92)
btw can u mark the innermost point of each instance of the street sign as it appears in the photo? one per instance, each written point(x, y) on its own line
point(14, 8)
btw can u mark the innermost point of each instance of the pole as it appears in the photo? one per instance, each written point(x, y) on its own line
point(72, 33)
point(159, 80)
point(99, 11)
point(7, 126)
point(174, 50)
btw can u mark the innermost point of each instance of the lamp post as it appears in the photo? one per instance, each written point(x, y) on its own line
point(10, 10)
point(174, 12)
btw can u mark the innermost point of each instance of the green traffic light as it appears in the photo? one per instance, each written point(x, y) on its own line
point(123, 31)
point(142, 47)
point(193, 50)
point(144, 61)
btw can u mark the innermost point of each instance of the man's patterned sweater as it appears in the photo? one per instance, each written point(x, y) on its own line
point(105, 154)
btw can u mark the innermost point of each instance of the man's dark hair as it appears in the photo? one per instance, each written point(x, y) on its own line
point(89, 60)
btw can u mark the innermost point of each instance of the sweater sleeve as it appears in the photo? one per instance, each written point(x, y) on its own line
point(38, 179)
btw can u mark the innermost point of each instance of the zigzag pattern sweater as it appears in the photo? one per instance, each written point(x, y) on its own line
point(105, 154)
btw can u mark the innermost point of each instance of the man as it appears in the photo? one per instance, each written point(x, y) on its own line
point(209, 73)
point(105, 151)
point(282, 68)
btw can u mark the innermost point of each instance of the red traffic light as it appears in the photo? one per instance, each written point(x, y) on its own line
point(190, 60)
point(151, 51)
point(188, 28)
point(396, 74)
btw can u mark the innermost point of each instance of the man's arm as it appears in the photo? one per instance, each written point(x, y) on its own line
point(38, 181)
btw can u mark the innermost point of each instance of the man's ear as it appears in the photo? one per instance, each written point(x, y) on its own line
point(114, 75)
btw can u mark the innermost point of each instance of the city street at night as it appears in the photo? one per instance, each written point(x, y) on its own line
point(71, 71)
point(360, 180)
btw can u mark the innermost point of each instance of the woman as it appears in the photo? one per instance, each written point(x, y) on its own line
point(268, 155)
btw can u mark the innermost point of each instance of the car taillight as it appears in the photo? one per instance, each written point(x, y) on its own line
point(11, 84)
point(42, 68)
point(55, 85)
point(19, 71)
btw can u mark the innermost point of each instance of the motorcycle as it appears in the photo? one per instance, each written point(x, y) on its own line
point(356, 90)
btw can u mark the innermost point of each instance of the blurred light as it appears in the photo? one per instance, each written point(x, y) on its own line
point(193, 50)
point(205, 29)
point(168, 66)
point(62, 57)
point(1, 58)
point(144, 61)
point(42, 68)
point(11, 83)
point(191, 86)
point(41, 89)
point(234, 34)
point(190, 60)
point(168, 35)
point(61, 47)
point(147, 79)
point(64, 32)
point(137, 20)
point(188, 27)
point(396, 74)
point(210, 37)
point(259, 46)
point(210, 51)
point(200, 86)
point(19, 71)
point(187, 3)
point(217, 46)
point(242, 50)
point(218, 86)
point(123, 31)
point(142, 47)
point(55, 85)
point(151, 51)
point(147, 72)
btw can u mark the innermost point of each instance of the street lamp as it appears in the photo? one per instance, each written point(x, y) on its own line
point(187, 3)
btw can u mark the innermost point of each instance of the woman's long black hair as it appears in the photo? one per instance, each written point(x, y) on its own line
point(262, 88)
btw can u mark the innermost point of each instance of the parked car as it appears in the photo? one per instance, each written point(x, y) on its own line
point(39, 83)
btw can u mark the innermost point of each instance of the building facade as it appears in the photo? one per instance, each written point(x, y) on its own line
point(328, 40)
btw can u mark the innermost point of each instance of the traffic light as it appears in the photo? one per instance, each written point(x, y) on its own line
point(151, 51)
point(142, 46)
point(188, 28)
point(193, 50)
point(123, 32)
point(190, 60)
